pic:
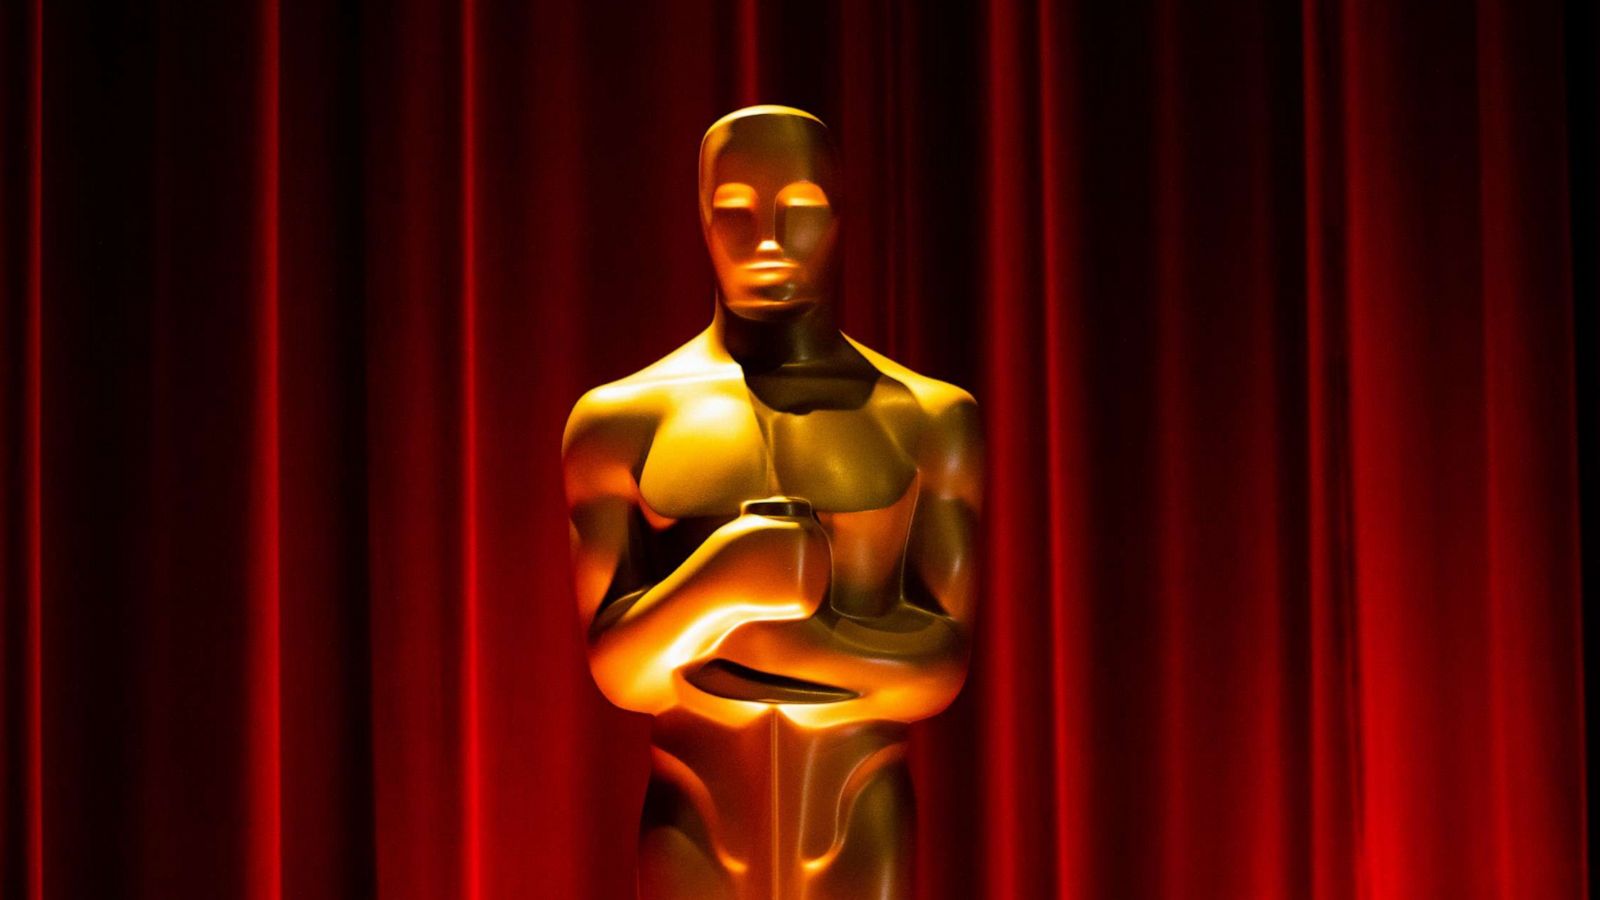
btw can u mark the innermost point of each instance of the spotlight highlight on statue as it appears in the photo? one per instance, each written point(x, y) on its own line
point(773, 537)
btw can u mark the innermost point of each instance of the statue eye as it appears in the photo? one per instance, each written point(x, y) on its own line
point(803, 227)
point(802, 193)
point(734, 196)
point(733, 216)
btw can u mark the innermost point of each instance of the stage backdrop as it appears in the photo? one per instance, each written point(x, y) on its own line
point(1269, 308)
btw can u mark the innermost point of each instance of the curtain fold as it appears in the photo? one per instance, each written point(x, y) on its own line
point(1278, 317)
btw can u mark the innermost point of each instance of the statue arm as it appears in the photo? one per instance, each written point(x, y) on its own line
point(910, 662)
point(641, 634)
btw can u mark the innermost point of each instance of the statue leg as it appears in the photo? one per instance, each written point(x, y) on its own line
point(676, 861)
point(875, 861)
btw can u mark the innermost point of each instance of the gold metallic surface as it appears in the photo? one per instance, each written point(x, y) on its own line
point(773, 547)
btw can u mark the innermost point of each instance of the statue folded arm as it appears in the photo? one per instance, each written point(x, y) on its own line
point(908, 662)
point(751, 569)
point(751, 592)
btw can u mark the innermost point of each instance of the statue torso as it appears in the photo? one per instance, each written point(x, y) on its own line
point(830, 802)
point(846, 444)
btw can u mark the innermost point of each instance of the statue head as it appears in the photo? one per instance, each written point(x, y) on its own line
point(767, 188)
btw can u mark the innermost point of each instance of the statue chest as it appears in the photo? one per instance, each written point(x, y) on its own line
point(712, 452)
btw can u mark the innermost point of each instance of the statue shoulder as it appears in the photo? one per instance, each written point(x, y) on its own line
point(611, 426)
point(608, 430)
point(939, 399)
point(950, 451)
point(607, 413)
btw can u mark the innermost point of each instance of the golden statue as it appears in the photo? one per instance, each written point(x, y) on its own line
point(773, 551)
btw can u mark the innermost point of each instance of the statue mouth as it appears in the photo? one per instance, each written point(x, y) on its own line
point(770, 273)
point(772, 265)
point(730, 680)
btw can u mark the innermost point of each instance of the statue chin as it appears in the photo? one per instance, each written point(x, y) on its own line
point(776, 304)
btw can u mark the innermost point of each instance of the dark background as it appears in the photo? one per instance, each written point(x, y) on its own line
point(1281, 317)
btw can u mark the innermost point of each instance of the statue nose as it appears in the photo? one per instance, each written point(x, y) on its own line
point(769, 247)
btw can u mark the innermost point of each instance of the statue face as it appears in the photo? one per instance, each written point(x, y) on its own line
point(765, 179)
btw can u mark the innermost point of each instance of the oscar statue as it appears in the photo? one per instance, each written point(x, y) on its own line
point(773, 551)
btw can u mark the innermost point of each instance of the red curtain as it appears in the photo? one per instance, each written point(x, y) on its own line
point(1273, 311)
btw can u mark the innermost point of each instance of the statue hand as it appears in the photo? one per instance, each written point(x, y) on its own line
point(769, 564)
point(774, 559)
